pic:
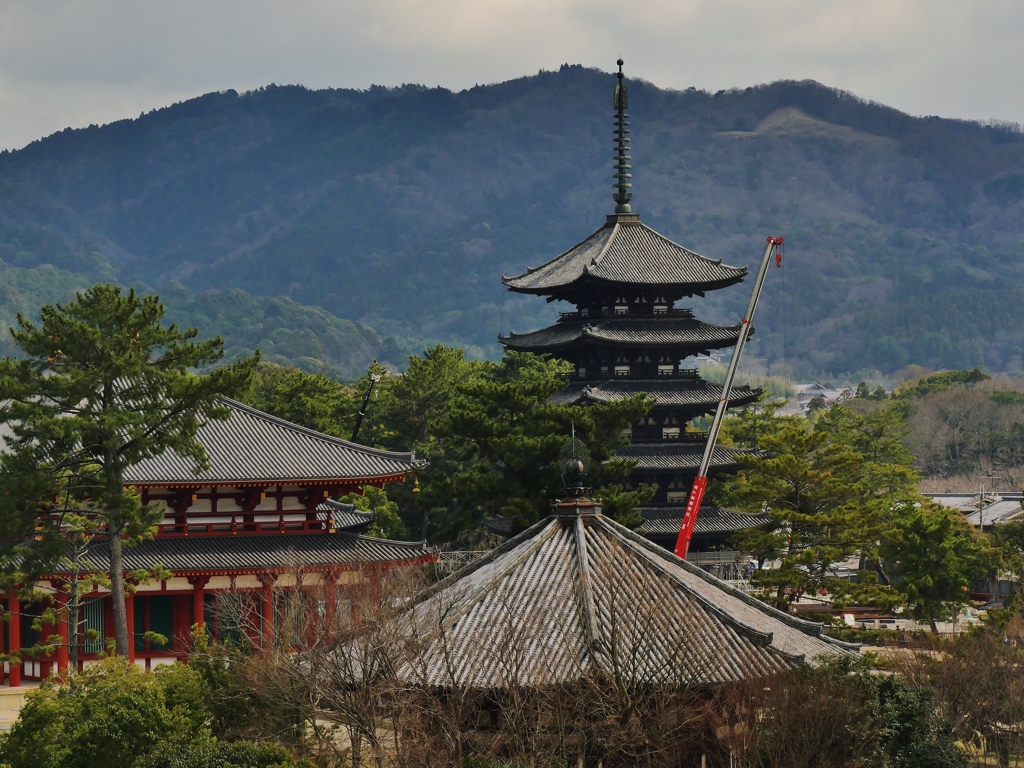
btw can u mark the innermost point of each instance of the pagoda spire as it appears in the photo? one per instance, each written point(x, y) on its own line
point(622, 176)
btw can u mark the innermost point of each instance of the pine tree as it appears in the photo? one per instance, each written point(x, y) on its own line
point(103, 386)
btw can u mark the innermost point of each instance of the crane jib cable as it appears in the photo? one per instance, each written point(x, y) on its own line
point(773, 245)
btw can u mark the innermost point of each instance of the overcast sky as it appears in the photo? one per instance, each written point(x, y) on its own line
point(76, 62)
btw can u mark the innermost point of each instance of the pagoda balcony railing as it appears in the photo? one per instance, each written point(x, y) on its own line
point(683, 437)
point(682, 373)
point(630, 311)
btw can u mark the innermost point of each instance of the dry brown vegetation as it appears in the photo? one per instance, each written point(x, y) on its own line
point(358, 687)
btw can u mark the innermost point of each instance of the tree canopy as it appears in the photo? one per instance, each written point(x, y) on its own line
point(102, 385)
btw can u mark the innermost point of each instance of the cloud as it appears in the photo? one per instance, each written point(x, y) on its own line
point(76, 62)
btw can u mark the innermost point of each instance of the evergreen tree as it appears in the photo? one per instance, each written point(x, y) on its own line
point(492, 437)
point(104, 385)
point(931, 553)
point(309, 399)
point(831, 489)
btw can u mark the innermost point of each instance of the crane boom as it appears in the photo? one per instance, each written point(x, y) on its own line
point(700, 483)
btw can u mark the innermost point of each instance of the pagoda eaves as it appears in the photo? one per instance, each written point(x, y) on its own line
point(689, 335)
point(625, 252)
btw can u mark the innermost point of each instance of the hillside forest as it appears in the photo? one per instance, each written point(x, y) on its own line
point(332, 227)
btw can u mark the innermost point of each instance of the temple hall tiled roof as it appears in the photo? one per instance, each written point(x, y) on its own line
point(345, 517)
point(693, 392)
point(243, 553)
point(649, 331)
point(665, 521)
point(626, 251)
point(255, 447)
point(668, 455)
point(578, 595)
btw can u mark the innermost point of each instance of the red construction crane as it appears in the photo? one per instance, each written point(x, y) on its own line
point(700, 483)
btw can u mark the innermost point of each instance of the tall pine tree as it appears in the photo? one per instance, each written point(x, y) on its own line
point(104, 385)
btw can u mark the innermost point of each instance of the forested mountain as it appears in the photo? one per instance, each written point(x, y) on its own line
point(400, 209)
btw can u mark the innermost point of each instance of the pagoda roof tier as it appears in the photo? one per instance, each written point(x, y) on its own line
point(665, 521)
point(254, 448)
point(679, 332)
point(248, 553)
point(686, 393)
point(578, 595)
point(669, 455)
point(627, 252)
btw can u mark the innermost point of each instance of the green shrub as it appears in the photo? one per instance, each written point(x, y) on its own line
point(108, 716)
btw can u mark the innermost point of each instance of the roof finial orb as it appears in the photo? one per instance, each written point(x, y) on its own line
point(622, 176)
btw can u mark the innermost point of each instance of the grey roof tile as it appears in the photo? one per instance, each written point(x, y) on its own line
point(693, 392)
point(631, 253)
point(574, 596)
point(665, 521)
point(240, 553)
point(996, 508)
point(255, 447)
point(682, 455)
point(346, 516)
point(656, 331)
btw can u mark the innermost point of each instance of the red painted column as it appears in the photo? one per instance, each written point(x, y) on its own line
point(3, 674)
point(198, 599)
point(14, 630)
point(62, 631)
point(129, 606)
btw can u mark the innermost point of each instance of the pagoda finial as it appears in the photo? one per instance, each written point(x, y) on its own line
point(622, 176)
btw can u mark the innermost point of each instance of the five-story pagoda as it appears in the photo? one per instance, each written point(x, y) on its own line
point(627, 336)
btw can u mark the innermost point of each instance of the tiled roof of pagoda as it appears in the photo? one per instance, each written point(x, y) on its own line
point(694, 392)
point(578, 595)
point(255, 447)
point(669, 455)
point(665, 521)
point(245, 553)
point(647, 331)
point(628, 252)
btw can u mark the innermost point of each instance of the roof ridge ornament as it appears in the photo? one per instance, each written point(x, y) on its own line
point(622, 176)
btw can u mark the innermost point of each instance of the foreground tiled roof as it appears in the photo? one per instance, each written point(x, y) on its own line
point(666, 391)
point(653, 331)
point(631, 253)
point(255, 447)
point(241, 553)
point(665, 521)
point(575, 595)
point(681, 455)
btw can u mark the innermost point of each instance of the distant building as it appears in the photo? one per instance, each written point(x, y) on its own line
point(984, 510)
point(805, 393)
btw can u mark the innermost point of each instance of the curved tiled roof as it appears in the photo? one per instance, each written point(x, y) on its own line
point(346, 516)
point(669, 456)
point(578, 595)
point(241, 553)
point(665, 521)
point(694, 392)
point(652, 331)
point(255, 447)
point(626, 251)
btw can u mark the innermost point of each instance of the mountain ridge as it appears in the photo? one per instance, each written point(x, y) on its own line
point(400, 208)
